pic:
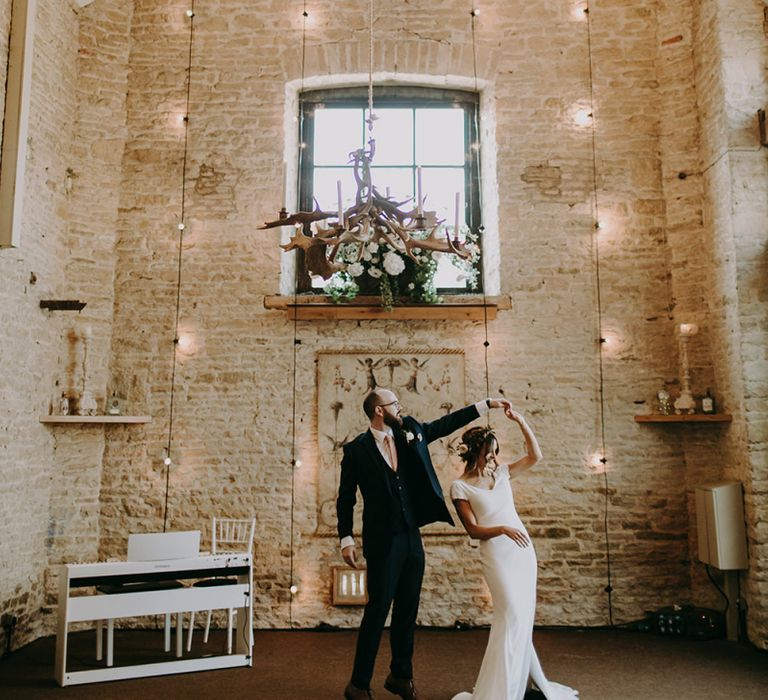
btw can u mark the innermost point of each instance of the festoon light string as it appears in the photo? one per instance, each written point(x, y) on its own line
point(599, 312)
point(477, 177)
point(293, 587)
point(190, 13)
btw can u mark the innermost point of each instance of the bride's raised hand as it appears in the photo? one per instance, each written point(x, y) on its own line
point(514, 415)
point(517, 536)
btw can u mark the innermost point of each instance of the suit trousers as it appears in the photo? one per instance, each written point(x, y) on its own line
point(394, 580)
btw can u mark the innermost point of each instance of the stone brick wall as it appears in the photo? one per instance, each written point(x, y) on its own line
point(95, 166)
point(32, 340)
point(689, 269)
point(231, 413)
point(670, 251)
point(731, 64)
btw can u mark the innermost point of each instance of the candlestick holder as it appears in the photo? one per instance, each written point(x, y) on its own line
point(86, 406)
point(685, 403)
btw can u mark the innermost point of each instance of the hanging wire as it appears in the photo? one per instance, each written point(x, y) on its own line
point(370, 68)
point(486, 342)
point(596, 246)
point(191, 15)
point(6, 65)
point(296, 341)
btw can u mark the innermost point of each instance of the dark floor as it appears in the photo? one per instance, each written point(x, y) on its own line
point(299, 665)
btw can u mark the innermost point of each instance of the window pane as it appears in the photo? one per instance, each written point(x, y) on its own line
point(338, 132)
point(447, 275)
point(439, 188)
point(393, 131)
point(399, 181)
point(324, 188)
point(440, 136)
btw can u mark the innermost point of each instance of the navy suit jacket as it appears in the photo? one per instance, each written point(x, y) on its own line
point(363, 467)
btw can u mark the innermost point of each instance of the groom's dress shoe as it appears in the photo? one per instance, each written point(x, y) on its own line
point(403, 687)
point(352, 692)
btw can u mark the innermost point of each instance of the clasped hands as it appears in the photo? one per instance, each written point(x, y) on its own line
point(509, 412)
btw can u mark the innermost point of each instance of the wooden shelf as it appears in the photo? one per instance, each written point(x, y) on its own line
point(317, 307)
point(95, 419)
point(695, 418)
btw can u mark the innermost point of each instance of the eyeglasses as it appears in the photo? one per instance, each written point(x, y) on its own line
point(391, 403)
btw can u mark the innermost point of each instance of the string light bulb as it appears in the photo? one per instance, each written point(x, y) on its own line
point(167, 461)
point(294, 589)
point(181, 226)
point(582, 117)
point(581, 11)
point(190, 14)
point(688, 329)
point(185, 342)
point(474, 12)
point(297, 463)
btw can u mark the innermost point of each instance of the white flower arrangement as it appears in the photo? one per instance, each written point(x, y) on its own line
point(393, 263)
point(392, 273)
point(356, 269)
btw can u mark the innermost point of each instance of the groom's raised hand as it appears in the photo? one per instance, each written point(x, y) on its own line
point(348, 553)
point(500, 403)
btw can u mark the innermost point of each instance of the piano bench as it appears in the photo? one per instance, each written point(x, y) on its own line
point(135, 587)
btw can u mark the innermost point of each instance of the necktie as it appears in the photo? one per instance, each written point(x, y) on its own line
point(391, 451)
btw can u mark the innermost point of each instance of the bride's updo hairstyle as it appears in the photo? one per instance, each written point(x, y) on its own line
point(475, 442)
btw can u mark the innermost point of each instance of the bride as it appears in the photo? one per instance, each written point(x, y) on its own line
point(485, 504)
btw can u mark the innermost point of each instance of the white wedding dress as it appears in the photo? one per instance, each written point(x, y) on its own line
point(510, 571)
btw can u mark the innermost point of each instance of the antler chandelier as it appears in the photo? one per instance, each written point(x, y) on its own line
point(373, 218)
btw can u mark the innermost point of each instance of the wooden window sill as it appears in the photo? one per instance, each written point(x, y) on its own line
point(95, 419)
point(318, 307)
point(695, 418)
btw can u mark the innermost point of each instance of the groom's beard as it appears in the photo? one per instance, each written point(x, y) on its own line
point(393, 421)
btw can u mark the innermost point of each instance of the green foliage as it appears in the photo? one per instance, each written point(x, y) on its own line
point(393, 275)
point(341, 287)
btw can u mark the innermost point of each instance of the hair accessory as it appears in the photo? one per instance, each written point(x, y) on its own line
point(475, 438)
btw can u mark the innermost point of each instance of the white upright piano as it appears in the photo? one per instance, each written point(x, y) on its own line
point(75, 607)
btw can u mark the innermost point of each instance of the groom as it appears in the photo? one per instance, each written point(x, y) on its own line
point(391, 466)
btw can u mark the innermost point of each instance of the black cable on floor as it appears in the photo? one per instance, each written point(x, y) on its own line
point(719, 590)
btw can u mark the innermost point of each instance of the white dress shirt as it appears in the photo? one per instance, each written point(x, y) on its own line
point(379, 435)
